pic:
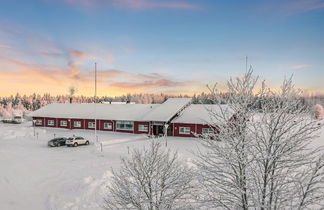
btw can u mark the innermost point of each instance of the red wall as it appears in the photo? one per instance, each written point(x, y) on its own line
point(136, 125)
point(86, 121)
point(178, 125)
point(39, 118)
point(101, 125)
point(123, 131)
point(59, 123)
point(46, 122)
point(82, 123)
point(200, 127)
point(194, 128)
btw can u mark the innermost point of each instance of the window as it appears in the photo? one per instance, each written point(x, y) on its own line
point(143, 128)
point(77, 124)
point(50, 122)
point(63, 123)
point(91, 124)
point(125, 125)
point(108, 126)
point(184, 130)
point(39, 122)
point(206, 131)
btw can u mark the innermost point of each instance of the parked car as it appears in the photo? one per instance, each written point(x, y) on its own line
point(6, 120)
point(76, 141)
point(56, 142)
point(17, 119)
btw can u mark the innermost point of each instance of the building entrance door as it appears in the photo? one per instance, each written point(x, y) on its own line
point(158, 130)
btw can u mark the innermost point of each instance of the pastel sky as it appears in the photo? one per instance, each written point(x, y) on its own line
point(154, 46)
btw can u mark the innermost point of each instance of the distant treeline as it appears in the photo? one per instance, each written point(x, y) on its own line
point(35, 101)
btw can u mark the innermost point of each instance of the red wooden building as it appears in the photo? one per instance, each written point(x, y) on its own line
point(198, 119)
point(176, 116)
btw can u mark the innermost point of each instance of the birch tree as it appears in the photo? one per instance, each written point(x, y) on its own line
point(150, 179)
point(263, 158)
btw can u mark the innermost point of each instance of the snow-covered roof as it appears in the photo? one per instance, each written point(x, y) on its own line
point(132, 112)
point(167, 110)
point(201, 113)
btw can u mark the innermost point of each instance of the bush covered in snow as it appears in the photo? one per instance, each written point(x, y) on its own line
point(150, 179)
point(9, 111)
point(318, 111)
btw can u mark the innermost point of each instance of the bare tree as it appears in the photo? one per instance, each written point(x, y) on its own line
point(151, 179)
point(263, 158)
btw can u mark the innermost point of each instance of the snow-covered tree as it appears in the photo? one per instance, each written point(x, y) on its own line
point(150, 179)
point(262, 159)
point(6, 115)
point(318, 111)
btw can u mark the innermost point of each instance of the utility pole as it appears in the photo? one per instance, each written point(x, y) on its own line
point(95, 82)
point(95, 101)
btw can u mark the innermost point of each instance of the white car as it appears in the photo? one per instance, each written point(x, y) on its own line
point(17, 119)
point(76, 141)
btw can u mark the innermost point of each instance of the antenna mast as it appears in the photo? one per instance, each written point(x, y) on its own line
point(95, 83)
point(95, 101)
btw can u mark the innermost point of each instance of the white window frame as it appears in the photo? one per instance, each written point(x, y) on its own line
point(39, 122)
point(63, 123)
point(143, 128)
point(209, 131)
point(50, 122)
point(77, 124)
point(107, 126)
point(124, 123)
point(92, 125)
point(184, 130)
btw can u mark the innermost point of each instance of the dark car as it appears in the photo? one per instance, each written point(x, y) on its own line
point(57, 142)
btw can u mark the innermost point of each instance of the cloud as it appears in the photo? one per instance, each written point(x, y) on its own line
point(4, 46)
point(17, 41)
point(300, 66)
point(289, 7)
point(133, 4)
point(27, 78)
point(149, 84)
point(108, 74)
point(80, 54)
point(31, 64)
point(304, 5)
point(147, 4)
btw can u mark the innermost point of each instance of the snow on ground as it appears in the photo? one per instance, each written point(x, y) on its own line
point(36, 177)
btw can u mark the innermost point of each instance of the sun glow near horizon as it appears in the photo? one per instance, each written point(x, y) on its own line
point(150, 46)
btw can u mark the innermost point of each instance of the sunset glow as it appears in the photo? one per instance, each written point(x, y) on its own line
point(155, 46)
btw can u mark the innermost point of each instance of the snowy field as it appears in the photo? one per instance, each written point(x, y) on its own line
point(34, 176)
